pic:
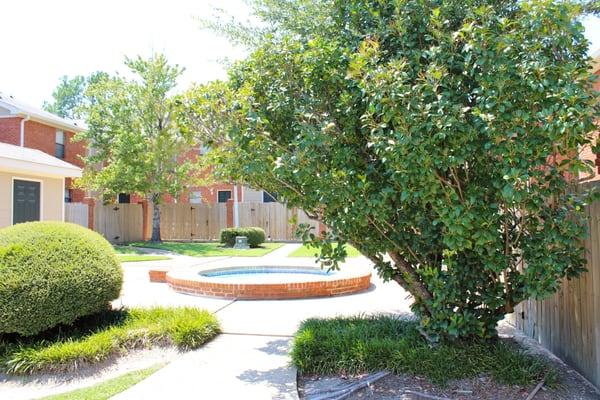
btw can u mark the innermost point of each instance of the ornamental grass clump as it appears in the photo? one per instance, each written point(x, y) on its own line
point(99, 337)
point(358, 345)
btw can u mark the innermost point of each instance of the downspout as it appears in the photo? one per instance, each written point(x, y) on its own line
point(236, 213)
point(27, 118)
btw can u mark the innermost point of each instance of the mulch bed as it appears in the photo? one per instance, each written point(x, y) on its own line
point(572, 387)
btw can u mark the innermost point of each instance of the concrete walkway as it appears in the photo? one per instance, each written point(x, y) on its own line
point(250, 359)
point(229, 367)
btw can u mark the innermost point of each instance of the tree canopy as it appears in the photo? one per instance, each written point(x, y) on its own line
point(134, 131)
point(69, 98)
point(440, 138)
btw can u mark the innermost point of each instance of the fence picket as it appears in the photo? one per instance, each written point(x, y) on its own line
point(568, 322)
point(76, 213)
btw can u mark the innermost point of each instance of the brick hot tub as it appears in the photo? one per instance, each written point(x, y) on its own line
point(269, 282)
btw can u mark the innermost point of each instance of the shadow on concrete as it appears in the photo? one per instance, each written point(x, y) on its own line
point(278, 347)
point(277, 378)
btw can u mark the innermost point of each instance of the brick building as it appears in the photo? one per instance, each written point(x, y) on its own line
point(26, 126)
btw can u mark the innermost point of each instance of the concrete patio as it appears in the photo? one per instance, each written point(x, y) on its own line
point(250, 359)
point(274, 317)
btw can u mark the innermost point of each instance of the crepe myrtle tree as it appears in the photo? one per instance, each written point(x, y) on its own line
point(135, 137)
point(440, 138)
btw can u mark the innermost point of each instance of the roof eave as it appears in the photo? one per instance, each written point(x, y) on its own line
point(38, 169)
point(51, 122)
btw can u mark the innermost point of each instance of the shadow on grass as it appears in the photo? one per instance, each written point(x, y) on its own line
point(82, 327)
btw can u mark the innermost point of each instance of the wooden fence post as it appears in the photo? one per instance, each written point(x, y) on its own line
point(146, 233)
point(229, 213)
point(322, 229)
point(91, 203)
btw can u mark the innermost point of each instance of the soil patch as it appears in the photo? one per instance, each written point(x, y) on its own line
point(572, 387)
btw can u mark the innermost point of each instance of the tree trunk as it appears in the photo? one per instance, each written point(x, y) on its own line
point(155, 220)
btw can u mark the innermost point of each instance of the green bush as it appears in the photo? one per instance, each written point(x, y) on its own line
point(256, 236)
point(53, 273)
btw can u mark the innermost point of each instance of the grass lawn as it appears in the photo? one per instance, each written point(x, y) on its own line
point(145, 257)
point(367, 344)
point(209, 249)
point(130, 254)
point(101, 336)
point(306, 251)
point(107, 389)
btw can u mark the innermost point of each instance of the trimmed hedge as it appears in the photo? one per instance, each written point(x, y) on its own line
point(256, 236)
point(52, 273)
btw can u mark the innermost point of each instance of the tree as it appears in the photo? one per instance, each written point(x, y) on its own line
point(135, 136)
point(272, 18)
point(440, 138)
point(69, 99)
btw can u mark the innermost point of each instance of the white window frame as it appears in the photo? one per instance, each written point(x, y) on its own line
point(60, 133)
point(12, 196)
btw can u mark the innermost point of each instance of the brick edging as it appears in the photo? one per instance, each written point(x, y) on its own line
point(271, 291)
point(158, 275)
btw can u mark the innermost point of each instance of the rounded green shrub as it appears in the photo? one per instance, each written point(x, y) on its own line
point(52, 273)
point(256, 236)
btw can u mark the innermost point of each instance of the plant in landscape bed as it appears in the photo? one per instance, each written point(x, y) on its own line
point(439, 138)
point(53, 273)
point(98, 337)
point(366, 344)
point(256, 236)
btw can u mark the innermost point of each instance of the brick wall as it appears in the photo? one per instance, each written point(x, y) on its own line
point(10, 130)
point(355, 282)
point(210, 193)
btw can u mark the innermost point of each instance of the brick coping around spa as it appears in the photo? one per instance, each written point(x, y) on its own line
point(347, 281)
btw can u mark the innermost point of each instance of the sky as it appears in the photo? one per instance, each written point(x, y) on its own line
point(44, 40)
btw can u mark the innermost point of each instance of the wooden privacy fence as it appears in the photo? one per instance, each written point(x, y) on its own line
point(192, 221)
point(205, 221)
point(119, 223)
point(274, 218)
point(76, 213)
point(568, 323)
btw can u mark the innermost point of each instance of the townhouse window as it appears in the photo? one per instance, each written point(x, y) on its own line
point(269, 198)
point(68, 198)
point(223, 196)
point(124, 198)
point(59, 150)
point(195, 197)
